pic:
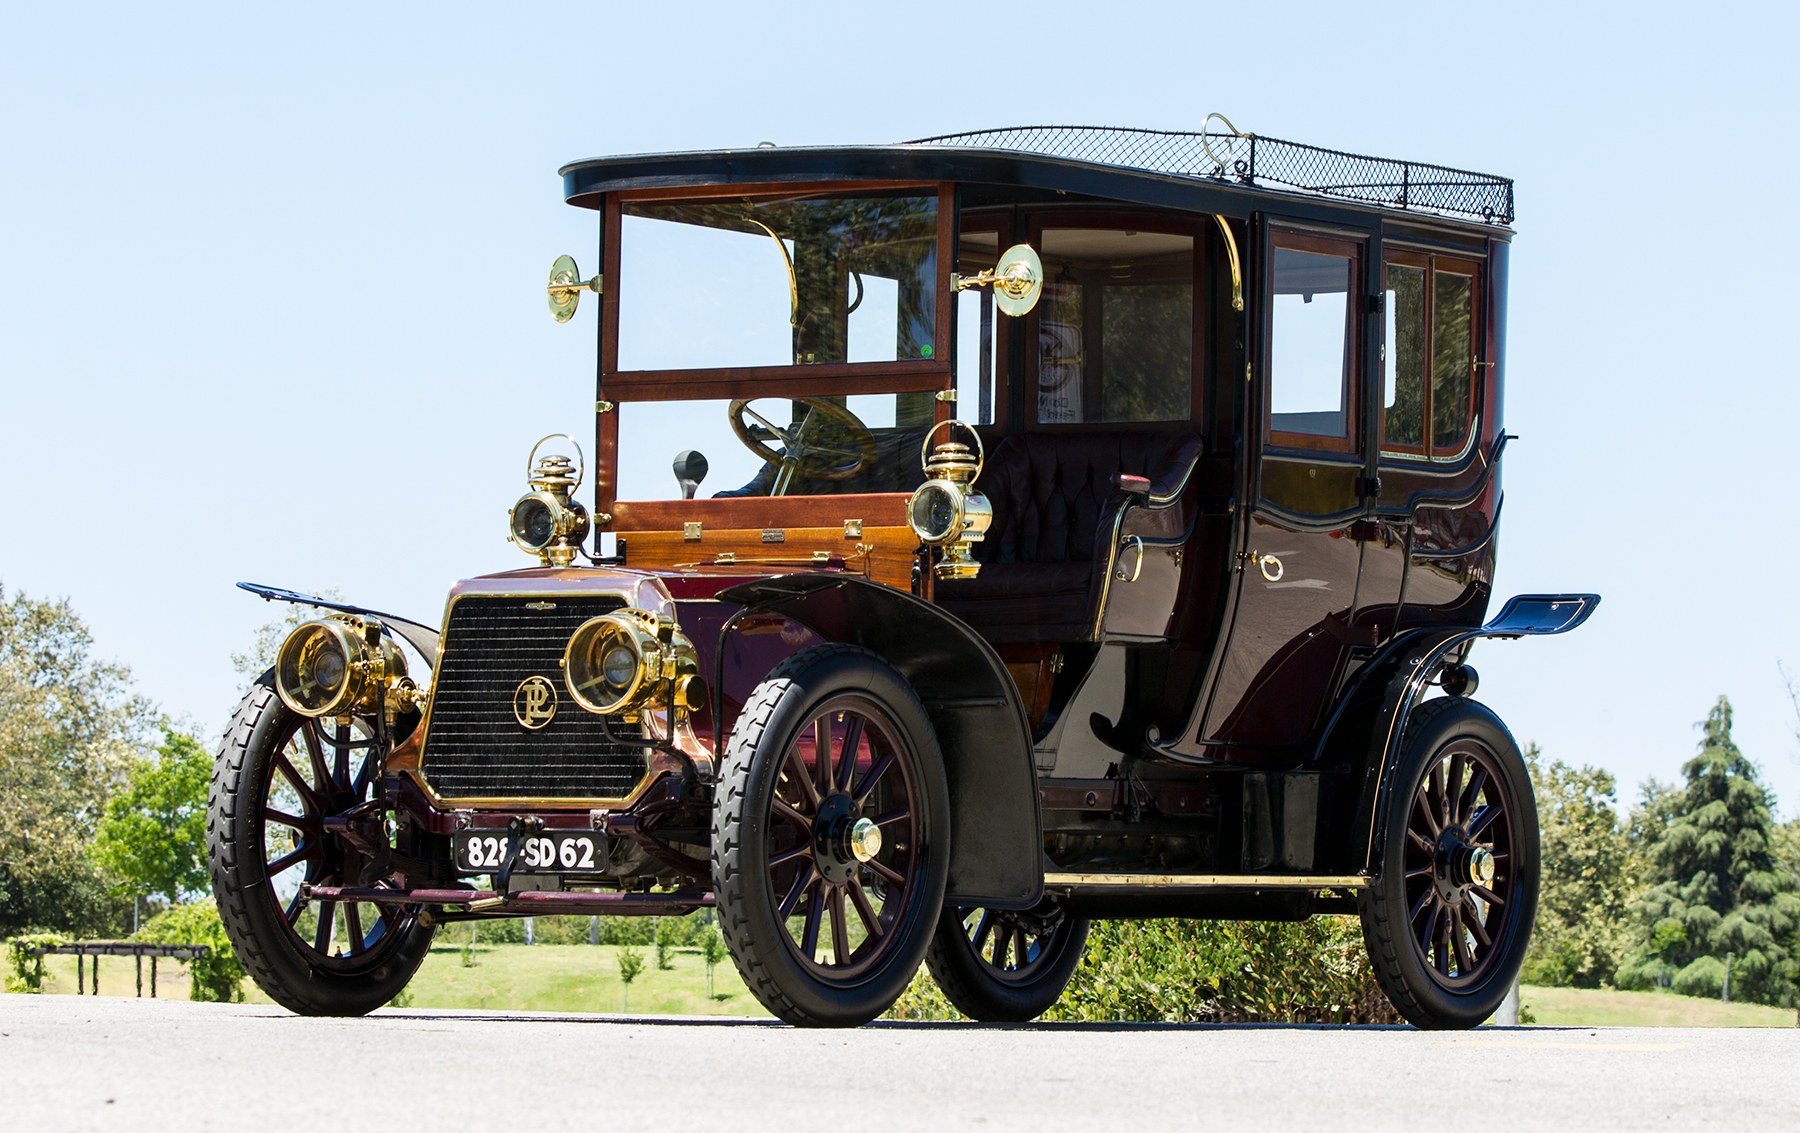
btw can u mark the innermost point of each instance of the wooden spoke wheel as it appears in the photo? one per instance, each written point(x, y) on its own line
point(1003, 966)
point(1450, 914)
point(292, 810)
point(830, 837)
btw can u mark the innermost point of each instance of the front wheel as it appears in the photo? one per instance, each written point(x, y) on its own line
point(289, 808)
point(1449, 916)
point(1000, 966)
point(830, 837)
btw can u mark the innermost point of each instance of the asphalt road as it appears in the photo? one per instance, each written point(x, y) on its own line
point(71, 1063)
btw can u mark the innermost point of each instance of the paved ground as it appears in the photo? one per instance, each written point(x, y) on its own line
point(69, 1063)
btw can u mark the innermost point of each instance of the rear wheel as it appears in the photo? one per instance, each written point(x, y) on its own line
point(1001, 966)
point(290, 808)
point(1449, 916)
point(830, 837)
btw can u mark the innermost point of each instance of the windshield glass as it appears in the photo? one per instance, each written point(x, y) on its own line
point(777, 281)
point(774, 446)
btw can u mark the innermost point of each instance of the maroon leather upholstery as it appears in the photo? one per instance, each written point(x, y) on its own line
point(1053, 495)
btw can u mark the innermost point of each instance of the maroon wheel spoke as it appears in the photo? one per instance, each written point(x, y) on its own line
point(1423, 843)
point(840, 929)
point(885, 871)
point(822, 752)
point(776, 861)
point(798, 774)
point(1476, 784)
point(327, 918)
point(883, 761)
point(1483, 820)
point(870, 918)
point(288, 860)
point(809, 937)
point(315, 752)
point(340, 766)
point(786, 811)
point(270, 814)
point(1440, 804)
point(1459, 942)
point(295, 906)
point(982, 928)
point(1418, 906)
point(1429, 937)
point(1472, 918)
point(892, 817)
point(1488, 895)
point(353, 926)
point(846, 768)
point(801, 884)
point(1422, 803)
point(1453, 786)
point(309, 798)
point(1422, 871)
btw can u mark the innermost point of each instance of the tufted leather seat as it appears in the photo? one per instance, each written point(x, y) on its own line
point(1044, 554)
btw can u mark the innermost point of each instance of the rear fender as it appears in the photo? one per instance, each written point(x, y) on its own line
point(1366, 730)
point(996, 828)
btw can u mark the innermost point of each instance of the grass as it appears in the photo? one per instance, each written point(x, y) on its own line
point(1581, 1007)
point(579, 978)
point(584, 979)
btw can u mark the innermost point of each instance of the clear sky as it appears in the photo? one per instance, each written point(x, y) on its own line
point(271, 288)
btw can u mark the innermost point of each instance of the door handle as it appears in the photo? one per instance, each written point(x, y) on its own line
point(1270, 566)
point(1137, 567)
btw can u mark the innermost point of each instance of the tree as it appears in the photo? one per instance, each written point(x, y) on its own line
point(69, 726)
point(712, 950)
point(1719, 889)
point(631, 965)
point(1582, 924)
point(152, 835)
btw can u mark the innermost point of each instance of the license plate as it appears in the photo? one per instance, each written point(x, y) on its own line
point(551, 851)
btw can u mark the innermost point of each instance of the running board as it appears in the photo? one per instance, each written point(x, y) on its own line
point(1204, 881)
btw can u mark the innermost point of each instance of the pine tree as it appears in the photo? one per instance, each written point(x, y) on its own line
point(1719, 888)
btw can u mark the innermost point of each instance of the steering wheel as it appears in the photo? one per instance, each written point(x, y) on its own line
point(807, 449)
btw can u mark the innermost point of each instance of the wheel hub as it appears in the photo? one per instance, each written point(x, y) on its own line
point(842, 841)
point(1461, 865)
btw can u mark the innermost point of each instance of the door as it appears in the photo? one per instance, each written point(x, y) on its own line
point(1298, 567)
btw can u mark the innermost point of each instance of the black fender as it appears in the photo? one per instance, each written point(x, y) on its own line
point(996, 826)
point(1365, 731)
point(419, 636)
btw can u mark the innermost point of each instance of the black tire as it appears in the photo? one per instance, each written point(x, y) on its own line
point(789, 831)
point(286, 942)
point(1447, 929)
point(1005, 967)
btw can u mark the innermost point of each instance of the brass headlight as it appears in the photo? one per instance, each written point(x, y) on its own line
point(615, 663)
point(547, 522)
point(336, 666)
point(946, 511)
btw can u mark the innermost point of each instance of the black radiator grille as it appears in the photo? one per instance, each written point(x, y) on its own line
point(475, 748)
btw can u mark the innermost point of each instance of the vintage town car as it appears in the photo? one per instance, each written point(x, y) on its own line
point(1059, 523)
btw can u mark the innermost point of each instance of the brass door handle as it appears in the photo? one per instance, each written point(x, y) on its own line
point(1271, 567)
point(1137, 568)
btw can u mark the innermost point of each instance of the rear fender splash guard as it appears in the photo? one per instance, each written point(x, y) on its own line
point(1400, 678)
point(421, 637)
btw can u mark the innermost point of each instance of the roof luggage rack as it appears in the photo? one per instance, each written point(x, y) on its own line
point(1252, 159)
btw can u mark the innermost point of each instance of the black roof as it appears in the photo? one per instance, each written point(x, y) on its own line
point(1226, 172)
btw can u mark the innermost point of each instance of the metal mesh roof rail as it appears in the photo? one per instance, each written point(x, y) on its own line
point(1255, 160)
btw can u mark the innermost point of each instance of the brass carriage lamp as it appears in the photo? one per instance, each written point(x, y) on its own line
point(625, 662)
point(342, 665)
point(547, 521)
point(945, 511)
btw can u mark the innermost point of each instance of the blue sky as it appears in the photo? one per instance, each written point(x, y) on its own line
point(271, 306)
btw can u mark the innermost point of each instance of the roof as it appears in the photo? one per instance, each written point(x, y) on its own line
point(1180, 169)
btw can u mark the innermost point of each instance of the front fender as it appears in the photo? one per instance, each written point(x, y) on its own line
point(420, 637)
point(996, 827)
point(1369, 724)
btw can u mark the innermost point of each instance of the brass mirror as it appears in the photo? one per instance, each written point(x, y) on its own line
point(566, 286)
point(1017, 280)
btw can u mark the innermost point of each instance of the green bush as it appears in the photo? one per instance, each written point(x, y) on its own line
point(678, 932)
point(218, 976)
point(1176, 971)
point(26, 972)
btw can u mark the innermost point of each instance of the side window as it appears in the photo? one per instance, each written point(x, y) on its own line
point(1312, 342)
point(1430, 356)
point(1115, 326)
